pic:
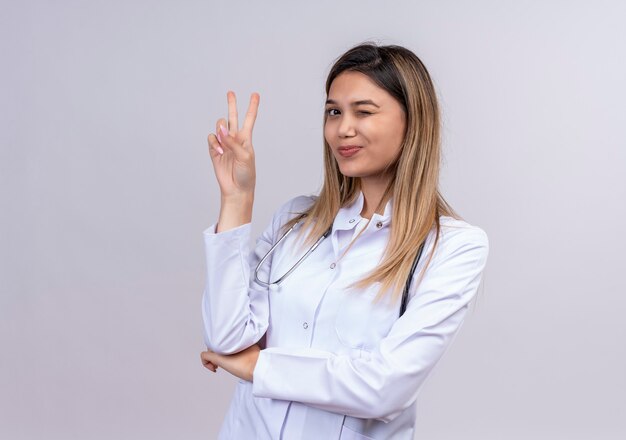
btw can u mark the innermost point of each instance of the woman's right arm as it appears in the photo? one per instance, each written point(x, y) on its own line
point(235, 308)
point(230, 321)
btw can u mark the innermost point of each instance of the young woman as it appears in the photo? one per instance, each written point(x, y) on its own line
point(316, 328)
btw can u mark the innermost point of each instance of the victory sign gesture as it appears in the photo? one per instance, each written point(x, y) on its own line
point(231, 150)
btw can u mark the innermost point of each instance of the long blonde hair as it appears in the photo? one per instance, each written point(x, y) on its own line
point(417, 202)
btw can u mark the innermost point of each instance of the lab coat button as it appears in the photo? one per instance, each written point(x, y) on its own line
point(305, 325)
point(379, 225)
point(332, 266)
point(351, 220)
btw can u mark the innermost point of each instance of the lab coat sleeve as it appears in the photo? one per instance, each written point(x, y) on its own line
point(386, 383)
point(235, 308)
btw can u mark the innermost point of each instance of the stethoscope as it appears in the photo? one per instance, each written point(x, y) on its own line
point(405, 293)
point(281, 279)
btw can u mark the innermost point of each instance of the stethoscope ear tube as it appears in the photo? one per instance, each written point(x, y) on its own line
point(405, 294)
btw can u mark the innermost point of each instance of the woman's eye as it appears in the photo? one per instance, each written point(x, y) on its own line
point(330, 111)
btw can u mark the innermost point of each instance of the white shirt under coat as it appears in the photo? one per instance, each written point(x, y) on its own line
point(336, 365)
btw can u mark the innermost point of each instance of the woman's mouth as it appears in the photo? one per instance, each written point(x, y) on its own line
point(349, 151)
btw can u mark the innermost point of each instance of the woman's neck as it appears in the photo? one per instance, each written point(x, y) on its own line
point(373, 189)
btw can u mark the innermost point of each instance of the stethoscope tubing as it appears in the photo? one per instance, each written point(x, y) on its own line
point(277, 282)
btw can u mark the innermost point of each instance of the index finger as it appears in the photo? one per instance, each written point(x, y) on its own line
point(232, 113)
point(253, 107)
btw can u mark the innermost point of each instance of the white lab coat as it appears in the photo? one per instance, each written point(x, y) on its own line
point(336, 366)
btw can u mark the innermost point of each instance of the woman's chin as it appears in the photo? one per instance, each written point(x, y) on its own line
point(351, 172)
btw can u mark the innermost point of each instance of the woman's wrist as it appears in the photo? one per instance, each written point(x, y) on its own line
point(236, 210)
point(238, 198)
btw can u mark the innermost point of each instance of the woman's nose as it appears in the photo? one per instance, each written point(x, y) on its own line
point(346, 127)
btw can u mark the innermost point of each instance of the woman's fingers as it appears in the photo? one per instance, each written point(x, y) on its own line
point(210, 366)
point(233, 125)
point(243, 137)
point(204, 357)
point(222, 133)
point(253, 108)
point(227, 141)
point(214, 146)
point(221, 122)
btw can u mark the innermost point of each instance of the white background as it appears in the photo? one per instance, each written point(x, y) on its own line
point(106, 187)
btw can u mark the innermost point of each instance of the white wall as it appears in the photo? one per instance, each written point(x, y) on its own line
point(106, 187)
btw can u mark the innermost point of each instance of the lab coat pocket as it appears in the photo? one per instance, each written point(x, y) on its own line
point(361, 323)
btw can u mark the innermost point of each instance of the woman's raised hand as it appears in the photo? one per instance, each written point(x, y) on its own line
point(231, 150)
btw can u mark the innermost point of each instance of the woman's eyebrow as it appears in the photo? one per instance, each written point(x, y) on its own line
point(355, 103)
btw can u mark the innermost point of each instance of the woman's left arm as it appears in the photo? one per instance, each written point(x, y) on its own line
point(382, 386)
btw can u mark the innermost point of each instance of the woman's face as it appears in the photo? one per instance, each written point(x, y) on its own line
point(365, 125)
